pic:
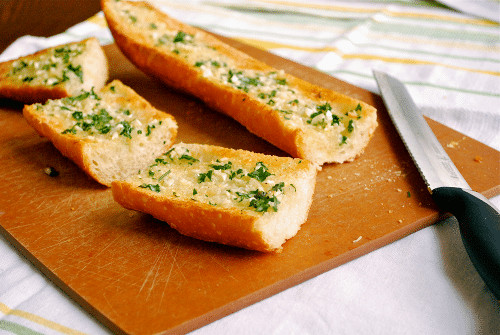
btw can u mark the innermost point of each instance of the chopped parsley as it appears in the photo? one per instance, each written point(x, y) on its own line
point(324, 108)
point(131, 17)
point(164, 175)
point(84, 95)
point(278, 187)
point(344, 140)
point(358, 110)
point(66, 52)
point(77, 115)
point(76, 70)
point(241, 81)
point(259, 200)
point(325, 112)
point(97, 120)
point(234, 174)
point(154, 188)
point(350, 126)
point(182, 37)
point(226, 166)
point(189, 158)
point(204, 176)
point(127, 129)
point(335, 120)
point(149, 128)
point(286, 113)
point(281, 81)
point(260, 172)
point(18, 68)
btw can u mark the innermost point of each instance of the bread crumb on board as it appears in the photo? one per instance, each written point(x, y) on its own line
point(51, 172)
point(478, 159)
point(358, 239)
point(455, 144)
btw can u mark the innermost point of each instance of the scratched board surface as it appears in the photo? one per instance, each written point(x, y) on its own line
point(137, 275)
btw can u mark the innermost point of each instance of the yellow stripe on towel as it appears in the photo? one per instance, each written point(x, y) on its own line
point(38, 319)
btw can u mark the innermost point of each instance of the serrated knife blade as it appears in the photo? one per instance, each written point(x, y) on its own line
point(478, 218)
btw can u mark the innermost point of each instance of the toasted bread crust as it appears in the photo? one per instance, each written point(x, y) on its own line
point(257, 116)
point(70, 146)
point(197, 220)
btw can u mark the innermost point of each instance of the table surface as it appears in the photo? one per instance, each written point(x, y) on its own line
point(423, 283)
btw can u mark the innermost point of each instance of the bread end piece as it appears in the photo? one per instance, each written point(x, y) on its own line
point(55, 72)
point(123, 131)
point(221, 210)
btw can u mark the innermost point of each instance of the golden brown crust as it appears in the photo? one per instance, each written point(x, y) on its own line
point(70, 146)
point(258, 117)
point(194, 219)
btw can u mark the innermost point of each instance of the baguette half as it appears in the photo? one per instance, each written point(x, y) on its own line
point(55, 72)
point(303, 119)
point(109, 134)
point(229, 196)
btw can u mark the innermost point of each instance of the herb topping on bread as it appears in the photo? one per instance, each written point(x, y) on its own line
point(229, 196)
point(55, 72)
point(305, 120)
point(109, 134)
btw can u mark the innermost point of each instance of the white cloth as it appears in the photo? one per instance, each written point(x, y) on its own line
point(421, 284)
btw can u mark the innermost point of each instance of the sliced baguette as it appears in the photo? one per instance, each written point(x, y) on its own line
point(109, 134)
point(229, 196)
point(305, 120)
point(55, 72)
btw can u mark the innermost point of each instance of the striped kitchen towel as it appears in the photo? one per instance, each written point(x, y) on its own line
point(449, 61)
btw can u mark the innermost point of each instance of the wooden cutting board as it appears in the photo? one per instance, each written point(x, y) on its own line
point(136, 275)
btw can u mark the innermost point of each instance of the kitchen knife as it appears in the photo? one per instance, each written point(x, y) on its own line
point(478, 218)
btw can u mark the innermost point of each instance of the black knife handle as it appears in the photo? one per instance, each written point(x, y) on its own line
point(479, 223)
